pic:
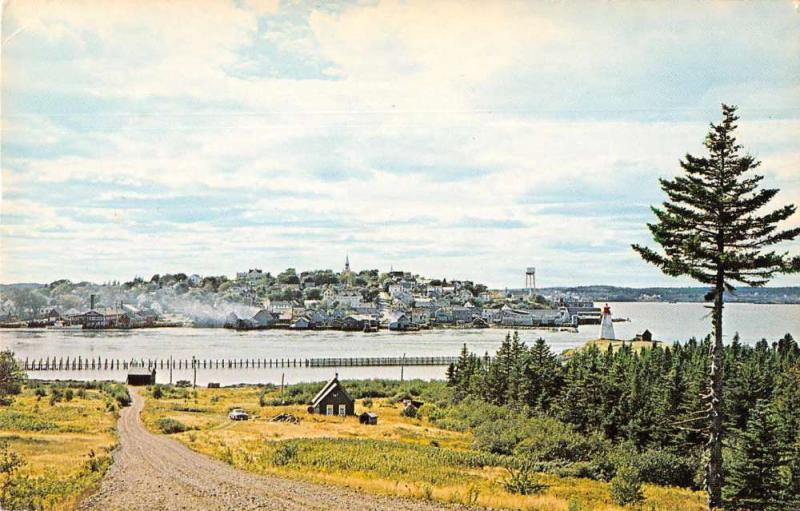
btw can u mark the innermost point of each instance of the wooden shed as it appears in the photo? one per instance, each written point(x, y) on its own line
point(333, 399)
point(141, 376)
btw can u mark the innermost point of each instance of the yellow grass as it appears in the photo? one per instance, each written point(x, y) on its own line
point(246, 445)
point(58, 454)
point(603, 344)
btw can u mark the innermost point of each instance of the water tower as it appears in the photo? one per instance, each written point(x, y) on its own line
point(530, 280)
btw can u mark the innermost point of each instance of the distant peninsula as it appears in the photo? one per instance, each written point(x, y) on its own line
point(675, 294)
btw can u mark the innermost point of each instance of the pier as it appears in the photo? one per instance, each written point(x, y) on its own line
point(113, 364)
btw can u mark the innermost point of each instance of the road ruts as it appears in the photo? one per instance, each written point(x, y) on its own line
point(153, 472)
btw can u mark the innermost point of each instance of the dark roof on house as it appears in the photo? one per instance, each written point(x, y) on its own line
point(327, 389)
point(142, 371)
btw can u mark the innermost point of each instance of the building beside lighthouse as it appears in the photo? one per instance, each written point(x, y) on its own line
point(606, 325)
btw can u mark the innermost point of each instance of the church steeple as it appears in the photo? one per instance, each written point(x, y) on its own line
point(347, 262)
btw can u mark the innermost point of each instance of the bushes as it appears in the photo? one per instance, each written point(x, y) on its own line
point(169, 426)
point(467, 414)
point(665, 468)
point(382, 459)
point(409, 411)
point(499, 436)
point(10, 462)
point(11, 376)
point(157, 393)
point(523, 481)
point(118, 393)
point(22, 421)
point(548, 439)
point(626, 486)
point(284, 454)
point(49, 490)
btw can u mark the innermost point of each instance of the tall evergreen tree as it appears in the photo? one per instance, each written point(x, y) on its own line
point(754, 481)
point(711, 231)
point(542, 379)
point(498, 372)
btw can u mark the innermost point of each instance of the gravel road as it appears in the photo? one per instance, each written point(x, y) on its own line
point(153, 472)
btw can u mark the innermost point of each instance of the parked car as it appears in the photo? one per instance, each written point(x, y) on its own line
point(237, 414)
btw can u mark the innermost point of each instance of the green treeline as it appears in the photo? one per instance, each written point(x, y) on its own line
point(597, 411)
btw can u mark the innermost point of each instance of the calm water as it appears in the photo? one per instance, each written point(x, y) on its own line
point(668, 322)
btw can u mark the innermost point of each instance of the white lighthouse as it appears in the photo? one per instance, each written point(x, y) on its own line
point(606, 325)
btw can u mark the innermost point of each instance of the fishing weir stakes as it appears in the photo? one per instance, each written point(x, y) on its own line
point(101, 364)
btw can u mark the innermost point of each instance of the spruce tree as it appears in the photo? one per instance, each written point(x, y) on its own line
point(497, 374)
point(711, 230)
point(754, 478)
point(542, 377)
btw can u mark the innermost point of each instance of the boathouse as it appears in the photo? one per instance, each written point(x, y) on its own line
point(333, 399)
point(141, 376)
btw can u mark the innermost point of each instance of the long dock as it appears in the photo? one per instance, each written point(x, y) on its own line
point(113, 364)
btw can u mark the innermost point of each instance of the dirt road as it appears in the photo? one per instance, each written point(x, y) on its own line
point(153, 472)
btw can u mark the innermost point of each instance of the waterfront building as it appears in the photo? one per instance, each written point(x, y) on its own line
point(301, 323)
point(398, 320)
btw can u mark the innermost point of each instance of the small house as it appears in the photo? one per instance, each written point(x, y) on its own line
point(263, 318)
point(646, 336)
point(302, 323)
point(398, 321)
point(333, 399)
point(368, 418)
point(141, 376)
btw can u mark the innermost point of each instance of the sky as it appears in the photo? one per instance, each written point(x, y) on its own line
point(459, 139)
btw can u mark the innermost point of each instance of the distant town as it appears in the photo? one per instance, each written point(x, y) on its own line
point(366, 300)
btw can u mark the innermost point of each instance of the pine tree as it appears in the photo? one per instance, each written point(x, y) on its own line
point(710, 231)
point(791, 490)
point(497, 374)
point(542, 380)
point(465, 368)
point(754, 479)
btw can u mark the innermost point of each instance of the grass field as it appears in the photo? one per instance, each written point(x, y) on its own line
point(603, 344)
point(65, 445)
point(399, 456)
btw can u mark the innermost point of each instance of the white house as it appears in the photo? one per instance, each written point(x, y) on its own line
point(349, 299)
point(278, 305)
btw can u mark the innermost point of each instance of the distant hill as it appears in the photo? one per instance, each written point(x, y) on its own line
point(22, 285)
point(676, 294)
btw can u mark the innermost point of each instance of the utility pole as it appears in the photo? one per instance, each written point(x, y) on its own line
point(402, 367)
point(170, 369)
point(194, 367)
point(282, 375)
